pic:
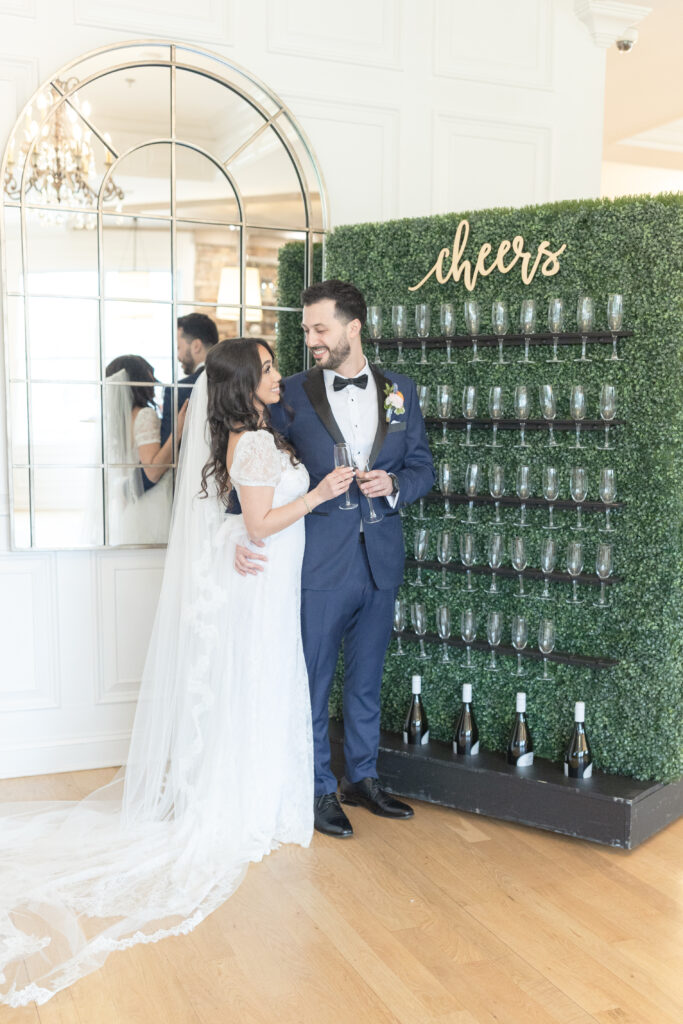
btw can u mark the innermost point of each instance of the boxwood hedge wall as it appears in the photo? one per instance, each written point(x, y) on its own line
point(634, 246)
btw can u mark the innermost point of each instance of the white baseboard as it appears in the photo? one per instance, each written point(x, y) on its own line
point(67, 755)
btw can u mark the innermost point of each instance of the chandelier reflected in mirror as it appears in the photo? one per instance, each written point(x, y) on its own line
point(62, 168)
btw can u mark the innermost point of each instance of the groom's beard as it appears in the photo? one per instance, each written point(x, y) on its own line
point(336, 356)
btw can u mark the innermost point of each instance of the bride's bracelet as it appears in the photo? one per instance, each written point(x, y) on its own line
point(308, 507)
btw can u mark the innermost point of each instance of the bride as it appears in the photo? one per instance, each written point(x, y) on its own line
point(220, 765)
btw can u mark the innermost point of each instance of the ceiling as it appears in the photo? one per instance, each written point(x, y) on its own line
point(644, 92)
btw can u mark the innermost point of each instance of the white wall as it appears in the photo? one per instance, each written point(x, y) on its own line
point(638, 179)
point(413, 107)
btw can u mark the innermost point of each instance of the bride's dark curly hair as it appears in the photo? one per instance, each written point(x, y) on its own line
point(233, 375)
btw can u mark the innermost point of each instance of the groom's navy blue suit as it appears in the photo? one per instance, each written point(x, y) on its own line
point(349, 581)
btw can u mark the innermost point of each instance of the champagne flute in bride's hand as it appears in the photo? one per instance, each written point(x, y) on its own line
point(343, 456)
point(372, 516)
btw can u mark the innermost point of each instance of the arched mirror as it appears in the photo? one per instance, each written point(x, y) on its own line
point(143, 184)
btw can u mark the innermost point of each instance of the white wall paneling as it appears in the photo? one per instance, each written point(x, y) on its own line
point(510, 44)
point(359, 33)
point(479, 162)
point(412, 107)
point(210, 21)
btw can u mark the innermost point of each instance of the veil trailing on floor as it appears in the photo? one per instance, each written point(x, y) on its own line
point(155, 851)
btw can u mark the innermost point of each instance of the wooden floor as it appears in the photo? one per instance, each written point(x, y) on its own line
point(445, 918)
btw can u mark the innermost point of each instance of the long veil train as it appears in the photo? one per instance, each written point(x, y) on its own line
point(160, 847)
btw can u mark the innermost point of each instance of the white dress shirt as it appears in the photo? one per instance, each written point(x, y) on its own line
point(356, 412)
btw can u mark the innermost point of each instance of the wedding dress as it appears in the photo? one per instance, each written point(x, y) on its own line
point(220, 768)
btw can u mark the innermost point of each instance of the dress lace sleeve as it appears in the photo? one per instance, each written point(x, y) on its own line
point(257, 461)
point(147, 427)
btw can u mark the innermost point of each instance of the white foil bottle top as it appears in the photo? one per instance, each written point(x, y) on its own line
point(521, 701)
point(467, 693)
point(579, 711)
point(417, 684)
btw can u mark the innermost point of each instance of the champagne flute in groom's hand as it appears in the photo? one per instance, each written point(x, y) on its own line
point(372, 516)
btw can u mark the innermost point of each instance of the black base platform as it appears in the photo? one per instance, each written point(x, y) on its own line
point(608, 809)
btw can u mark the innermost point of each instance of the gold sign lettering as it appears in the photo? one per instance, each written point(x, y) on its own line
point(546, 258)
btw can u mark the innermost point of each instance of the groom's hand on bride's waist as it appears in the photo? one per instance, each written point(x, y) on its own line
point(246, 560)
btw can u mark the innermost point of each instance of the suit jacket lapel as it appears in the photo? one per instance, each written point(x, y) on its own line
point(382, 425)
point(314, 386)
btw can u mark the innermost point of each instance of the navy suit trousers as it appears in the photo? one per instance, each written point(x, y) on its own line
point(361, 616)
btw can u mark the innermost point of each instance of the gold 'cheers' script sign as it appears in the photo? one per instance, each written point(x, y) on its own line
point(545, 258)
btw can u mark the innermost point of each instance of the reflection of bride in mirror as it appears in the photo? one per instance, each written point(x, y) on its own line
point(140, 484)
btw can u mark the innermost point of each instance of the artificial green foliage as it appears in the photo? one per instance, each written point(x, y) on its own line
point(634, 246)
point(290, 282)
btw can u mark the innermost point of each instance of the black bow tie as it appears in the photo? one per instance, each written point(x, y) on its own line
point(341, 382)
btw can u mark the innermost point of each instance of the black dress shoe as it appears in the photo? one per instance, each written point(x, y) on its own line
point(368, 793)
point(329, 818)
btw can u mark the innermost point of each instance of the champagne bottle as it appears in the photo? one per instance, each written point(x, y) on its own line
point(578, 761)
point(520, 747)
point(416, 728)
point(466, 736)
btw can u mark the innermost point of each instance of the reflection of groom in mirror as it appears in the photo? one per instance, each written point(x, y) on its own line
point(351, 570)
point(197, 333)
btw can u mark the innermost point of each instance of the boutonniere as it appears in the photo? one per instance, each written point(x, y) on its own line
point(393, 401)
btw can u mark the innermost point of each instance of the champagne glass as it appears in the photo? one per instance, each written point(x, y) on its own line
point(574, 567)
point(468, 557)
point(603, 568)
point(548, 562)
point(423, 399)
point(495, 412)
point(444, 403)
point(443, 628)
point(444, 553)
point(496, 490)
point(495, 559)
point(578, 486)
point(577, 409)
point(546, 644)
point(399, 324)
point(343, 456)
point(420, 548)
point(615, 321)
point(494, 634)
point(400, 620)
point(548, 405)
point(519, 562)
point(422, 317)
point(469, 411)
point(375, 329)
point(418, 615)
point(522, 412)
point(585, 318)
point(447, 318)
point(519, 640)
point(445, 481)
point(551, 490)
point(372, 516)
point(468, 631)
point(608, 494)
point(555, 325)
point(472, 324)
point(421, 517)
point(527, 321)
point(500, 323)
point(523, 489)
point(472, 478)
point(608, 410)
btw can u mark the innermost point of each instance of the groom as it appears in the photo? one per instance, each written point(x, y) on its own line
point(351, 569)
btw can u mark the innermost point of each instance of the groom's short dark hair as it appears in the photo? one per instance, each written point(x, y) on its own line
point(349, 301)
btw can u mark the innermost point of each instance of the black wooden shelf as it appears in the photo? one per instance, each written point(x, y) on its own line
point(511, 500)
point(511, 424)
point(561, 657)
point(507, 572)
point(491, 340)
